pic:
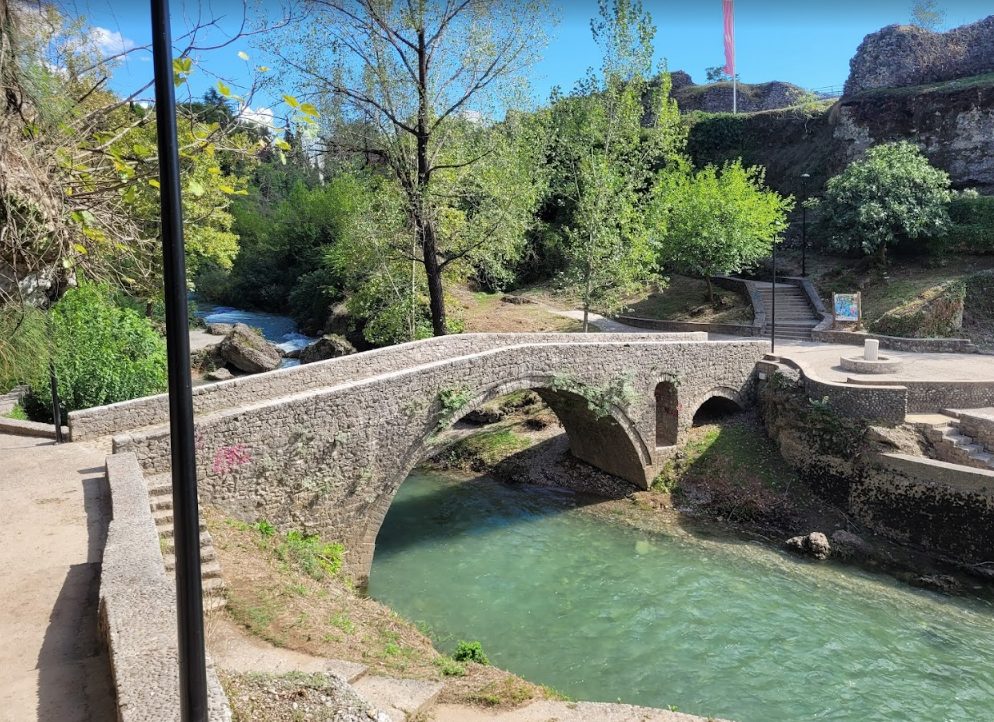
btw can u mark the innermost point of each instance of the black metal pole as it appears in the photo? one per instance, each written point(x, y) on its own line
point(804, 240)
point(773, 301)
point(186, 516)
point(56, 410)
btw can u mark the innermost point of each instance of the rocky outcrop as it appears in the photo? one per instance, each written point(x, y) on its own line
point(902, 55)
point(328, 346)
point(717, 97)
point(246, 350)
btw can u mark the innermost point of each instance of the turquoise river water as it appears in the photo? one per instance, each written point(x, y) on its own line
point(602, 611)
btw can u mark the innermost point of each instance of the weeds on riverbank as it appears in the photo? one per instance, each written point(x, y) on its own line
point(273, 596)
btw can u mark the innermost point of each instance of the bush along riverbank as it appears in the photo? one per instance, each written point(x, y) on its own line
point(730, 477)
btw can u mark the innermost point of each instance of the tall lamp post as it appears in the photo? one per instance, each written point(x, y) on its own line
point(773, 300)
point(804, 224)
point(186, 515)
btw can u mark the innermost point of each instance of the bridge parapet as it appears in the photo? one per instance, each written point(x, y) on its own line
point(330, 458)
point(153, 410)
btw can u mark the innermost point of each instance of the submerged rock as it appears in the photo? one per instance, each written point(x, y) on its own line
point(328, 346)
point(814, 544)
point(246, 350)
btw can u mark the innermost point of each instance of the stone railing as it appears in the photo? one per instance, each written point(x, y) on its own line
point(154, 410)
point(138, 608)
point(926, 397)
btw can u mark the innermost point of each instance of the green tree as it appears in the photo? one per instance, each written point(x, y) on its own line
point(716, 222)
point(891, 195)
point(396, 77)
point(927, 14)
point(611, 134)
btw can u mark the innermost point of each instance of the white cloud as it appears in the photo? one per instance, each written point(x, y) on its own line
point(109, 42)
point(260, 116)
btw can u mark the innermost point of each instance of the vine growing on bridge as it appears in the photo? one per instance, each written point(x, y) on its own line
point(451, 402)
point(619, 392)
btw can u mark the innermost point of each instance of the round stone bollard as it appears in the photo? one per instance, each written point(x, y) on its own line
point(870, 348)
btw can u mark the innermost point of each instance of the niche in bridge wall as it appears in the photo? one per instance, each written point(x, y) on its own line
point(667, 414)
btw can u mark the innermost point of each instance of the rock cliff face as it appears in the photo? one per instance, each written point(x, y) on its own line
point(717, 97)
point(901, 55)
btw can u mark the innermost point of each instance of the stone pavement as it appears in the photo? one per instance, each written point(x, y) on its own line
point(55, 510)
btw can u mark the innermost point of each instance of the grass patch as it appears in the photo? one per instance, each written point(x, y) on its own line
point(484, 449)
point(17, 413)
point(507, 692)
point(686, 299)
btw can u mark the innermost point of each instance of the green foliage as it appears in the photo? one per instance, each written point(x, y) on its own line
point(979, 300)
point(935, 313)
point(18, 413)
point(484, 449)
point(609, 136)
point(972, 229)
point(102, 354)
point(470, 652)
point(893, 194)
point(450, 403)
point(23, 346)
point(316, 558)
point(265, 528)
point(450, 667)
point(718, 222)
point(617, 393)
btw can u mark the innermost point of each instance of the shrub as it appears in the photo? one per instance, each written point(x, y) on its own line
point(23, 346)
point(470, 652)
point(972, 229)
point(102, 354)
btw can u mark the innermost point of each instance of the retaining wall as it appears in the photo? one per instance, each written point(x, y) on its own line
point(926, 397)
point(942, 507)
point(886, 404)
point(138, 608)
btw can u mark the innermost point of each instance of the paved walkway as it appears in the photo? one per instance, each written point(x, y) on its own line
point(55, 510)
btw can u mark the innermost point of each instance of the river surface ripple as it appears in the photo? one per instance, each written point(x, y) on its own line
point(602, 611)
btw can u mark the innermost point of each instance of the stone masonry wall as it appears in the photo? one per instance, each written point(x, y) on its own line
point(330, 459)
point(138, 608)
point(900, 55)
point(154, 410)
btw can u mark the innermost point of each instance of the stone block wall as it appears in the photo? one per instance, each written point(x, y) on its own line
point(154, 410)
point(330, 459)
point(978, 426)
point(926, 397)
point(896, 343)
point(138, 608)
point(945, 508)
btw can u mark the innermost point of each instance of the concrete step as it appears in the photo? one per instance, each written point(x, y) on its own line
point(168, 542)
point(163, 516)
point(166, 530)
point(401, 699)
point(210, 567)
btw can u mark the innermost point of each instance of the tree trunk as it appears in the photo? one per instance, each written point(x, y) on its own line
point(586, 321)
point(424, 222)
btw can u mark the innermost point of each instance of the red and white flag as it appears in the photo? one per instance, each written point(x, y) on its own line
point(729, 37)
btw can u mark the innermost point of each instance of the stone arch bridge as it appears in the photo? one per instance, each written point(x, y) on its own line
point(325, 446)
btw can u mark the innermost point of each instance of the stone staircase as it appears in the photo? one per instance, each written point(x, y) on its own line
point(794, 316)
point(952, 445)
point(160, 496)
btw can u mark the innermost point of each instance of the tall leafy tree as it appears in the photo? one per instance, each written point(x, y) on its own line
point(891, 194)
point(611, 135)
point(718, 221)
point(398, 79)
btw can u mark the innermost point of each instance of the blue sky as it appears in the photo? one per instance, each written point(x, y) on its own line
point(807, 42)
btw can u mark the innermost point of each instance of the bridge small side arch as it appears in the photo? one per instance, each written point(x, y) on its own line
point(719, 400)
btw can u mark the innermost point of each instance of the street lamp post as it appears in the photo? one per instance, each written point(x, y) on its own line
point(773, 300)
point(804, 224)
point(186, 514)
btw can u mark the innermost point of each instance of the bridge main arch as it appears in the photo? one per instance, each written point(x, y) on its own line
point(605, 437)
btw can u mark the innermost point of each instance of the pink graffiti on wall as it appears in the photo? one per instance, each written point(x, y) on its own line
point(227, 458)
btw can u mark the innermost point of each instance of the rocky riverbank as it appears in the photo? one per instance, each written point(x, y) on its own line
point(729, 479)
